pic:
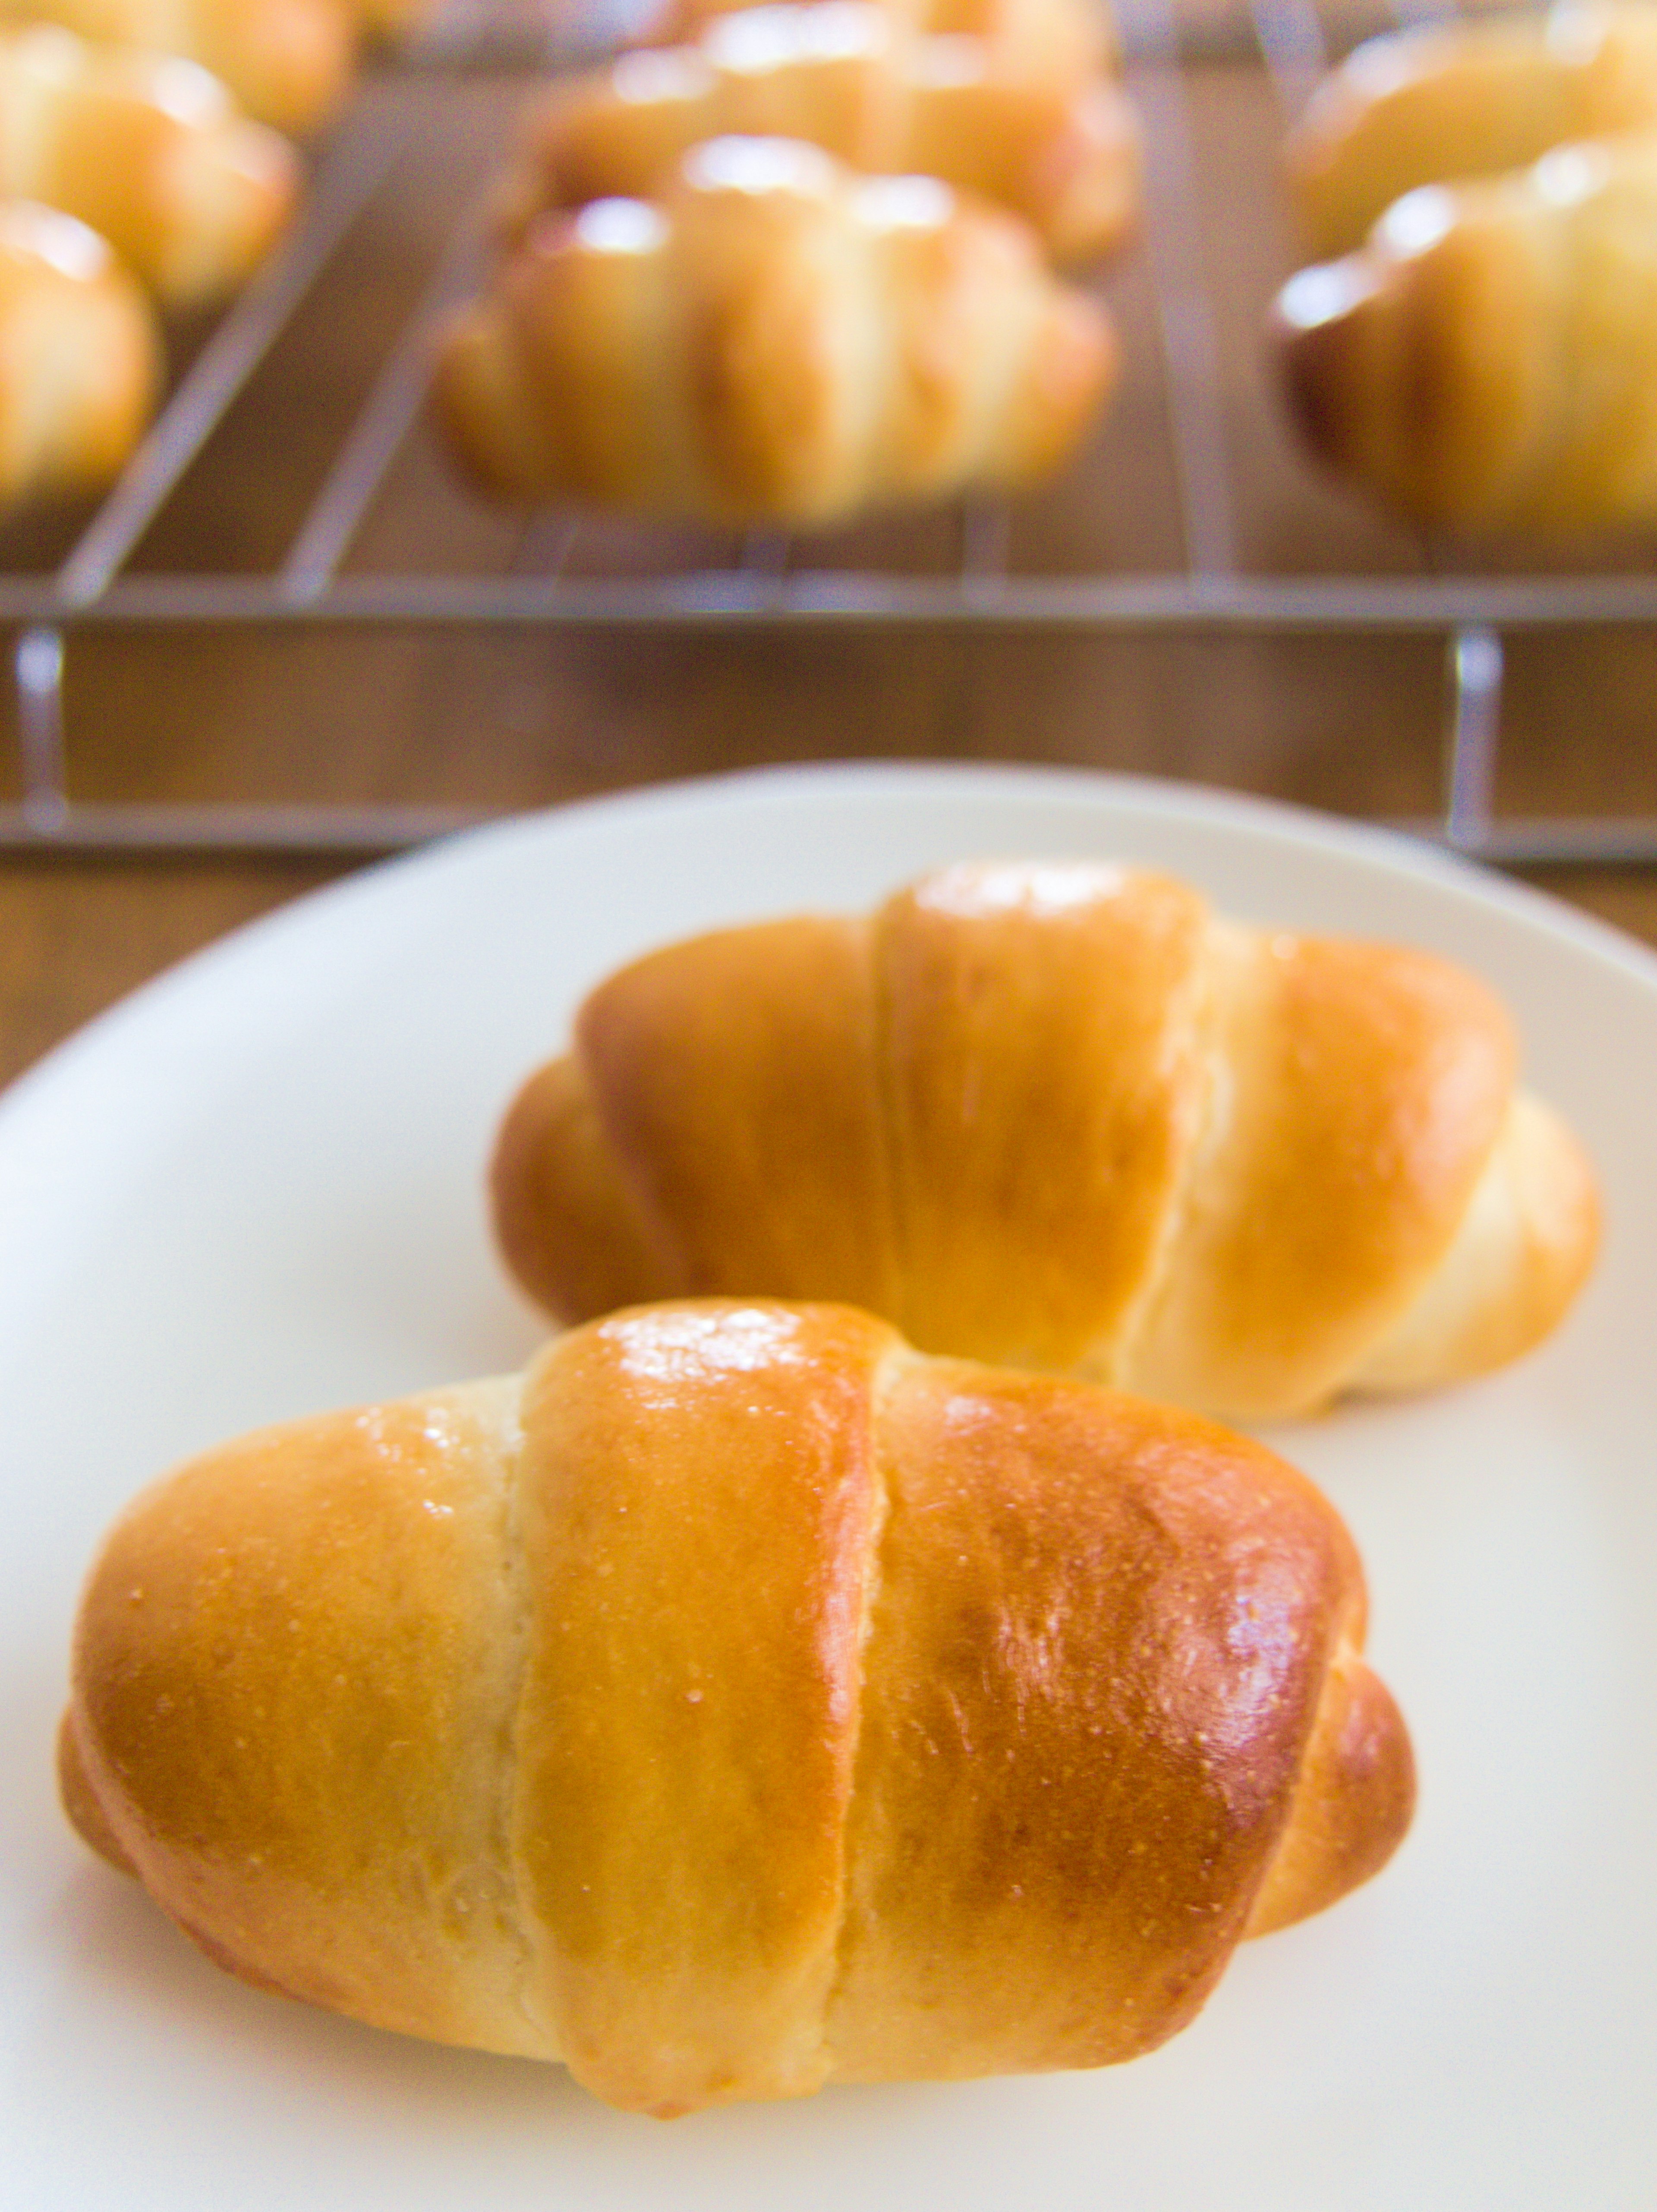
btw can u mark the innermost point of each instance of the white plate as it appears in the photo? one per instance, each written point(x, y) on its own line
point(254, 1191)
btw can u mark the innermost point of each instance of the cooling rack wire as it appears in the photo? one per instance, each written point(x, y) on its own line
point(103, 582)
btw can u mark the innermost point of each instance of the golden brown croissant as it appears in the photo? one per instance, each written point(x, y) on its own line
point(1037, 41)
point(148, 151)
point(287, 62)
point(840, 76)
point(777, 340)
point(737, 1702)
point(80, 357)
point(1490, 360)
point(1448, 104)
point(1058, 1115)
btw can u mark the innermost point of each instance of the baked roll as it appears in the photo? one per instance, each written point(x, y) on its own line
point(1060, 1116)
point(1060, 42)
point(148, 151)
point(1489, 362)
point(1472, 100)
point(287, 62)
point(80, 357)
point(775, 340)
point(839, 76)
point(735, 1702)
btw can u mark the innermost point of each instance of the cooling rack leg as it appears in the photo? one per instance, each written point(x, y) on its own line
point(1473, 737)
point(38, 666)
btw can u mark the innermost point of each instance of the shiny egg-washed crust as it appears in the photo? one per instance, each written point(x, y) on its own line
point(1066, 159)
point(737, 1702)
point(1053, 42)
point(1472, 100)
point(150, 152)
point(80, 357)
point(777, 340)
point(1058, 1115)
point(287, 62)
point(1488, 360)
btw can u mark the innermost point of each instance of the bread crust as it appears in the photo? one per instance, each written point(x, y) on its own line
point(736, 1702)
point(1061, 1116)
point(1454, 103)
point(1066, 158)
point(287, 62)
point(148, 150)
point(80, 357)
point(1484, 363)
point(777, 340)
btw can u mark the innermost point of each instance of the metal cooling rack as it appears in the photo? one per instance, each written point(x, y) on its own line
point(98, 587)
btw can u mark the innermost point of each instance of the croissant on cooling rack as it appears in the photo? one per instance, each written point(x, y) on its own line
point(1058, 1115)
point(287, 62)
point(1488, 360)
point(841, 76)
point(737, 1702)
point(1449, 104)
point(777, 340)
point(1038, 41)
point(150, 151)
point(80, 357)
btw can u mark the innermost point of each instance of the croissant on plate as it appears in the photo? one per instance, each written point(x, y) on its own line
point(775, 340)
point(80, 357)
point(287, 62)
point(1472, 100)
point(1059, 1115)
point(1039, 42)
point(149, 150)
point(737, 1702)
point(840, 76)
point(1488, 360)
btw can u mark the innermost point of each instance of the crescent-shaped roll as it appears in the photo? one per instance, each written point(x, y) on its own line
point(1455, 102)
point(1054, 42)
point(80, 357)
point(775, 340)
point(287, 62)
point(1488, 360)
point(1060, 1116)
point(840, 75)
point(150, 151)
point(735, 1702)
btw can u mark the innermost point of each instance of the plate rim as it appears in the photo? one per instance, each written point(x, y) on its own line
point(29, 1095)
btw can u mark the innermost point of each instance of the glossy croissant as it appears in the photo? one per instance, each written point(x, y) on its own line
point(775, 340)
point(838, 75)
point(287, 62)
point(148, 150)
point(80, 357)
point(1489, 362)
point(735, 1702)
point(1455, 101)
point(1061, 42)
point(1060, 1114)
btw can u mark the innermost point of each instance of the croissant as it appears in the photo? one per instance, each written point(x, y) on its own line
point(737, 1702)
point(1058, 1114)
point(1067, 160)
point(80, 357)
point(1039, 41)
point(287, 62)
point(148, 151)
point(775, 340)
point(1426, 106)
point(1490, 360)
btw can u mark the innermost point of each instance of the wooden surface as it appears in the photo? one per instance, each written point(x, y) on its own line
point(513, 719)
